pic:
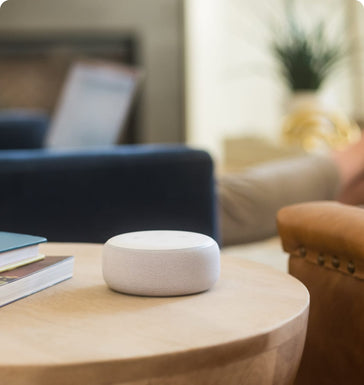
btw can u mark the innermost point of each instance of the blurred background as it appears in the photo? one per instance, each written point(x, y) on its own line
point(222, 75)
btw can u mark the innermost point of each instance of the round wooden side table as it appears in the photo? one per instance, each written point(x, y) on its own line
point(249, 329)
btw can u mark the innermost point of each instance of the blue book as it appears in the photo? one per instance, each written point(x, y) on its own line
point(18, 249)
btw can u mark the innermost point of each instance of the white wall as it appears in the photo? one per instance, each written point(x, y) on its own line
point(232, 86)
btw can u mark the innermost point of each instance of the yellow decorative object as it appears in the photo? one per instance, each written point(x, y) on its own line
point(317, 129)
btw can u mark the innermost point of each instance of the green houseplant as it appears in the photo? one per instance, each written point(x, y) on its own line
point(306, 56)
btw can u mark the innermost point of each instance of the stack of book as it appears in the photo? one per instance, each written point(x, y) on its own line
point(24, 271)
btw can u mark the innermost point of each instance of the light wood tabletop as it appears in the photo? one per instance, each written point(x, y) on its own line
point(248, 329)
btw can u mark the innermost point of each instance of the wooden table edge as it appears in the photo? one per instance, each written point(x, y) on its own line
point(146, 367)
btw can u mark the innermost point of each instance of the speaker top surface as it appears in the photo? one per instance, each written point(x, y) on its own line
point(158, 240)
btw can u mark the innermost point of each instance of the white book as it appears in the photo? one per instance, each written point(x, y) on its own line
point(94, 105)
point(26, 280)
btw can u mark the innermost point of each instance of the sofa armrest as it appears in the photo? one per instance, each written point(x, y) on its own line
point(22, 129)
point(91, 195)
point(326, 245)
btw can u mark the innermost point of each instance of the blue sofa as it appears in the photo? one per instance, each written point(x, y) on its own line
point(22, 129)
point(91, 195)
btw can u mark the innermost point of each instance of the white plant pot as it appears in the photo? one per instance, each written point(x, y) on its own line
point(306, 100)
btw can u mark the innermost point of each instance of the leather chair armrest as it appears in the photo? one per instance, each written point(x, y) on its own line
point(326, 246)
point(329, 234)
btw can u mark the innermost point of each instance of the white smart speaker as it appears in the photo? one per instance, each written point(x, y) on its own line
point(161, 263)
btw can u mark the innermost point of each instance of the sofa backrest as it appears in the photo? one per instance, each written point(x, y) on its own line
point(89, 196)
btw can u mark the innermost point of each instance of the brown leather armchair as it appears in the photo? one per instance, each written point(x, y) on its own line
point(325, 241)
